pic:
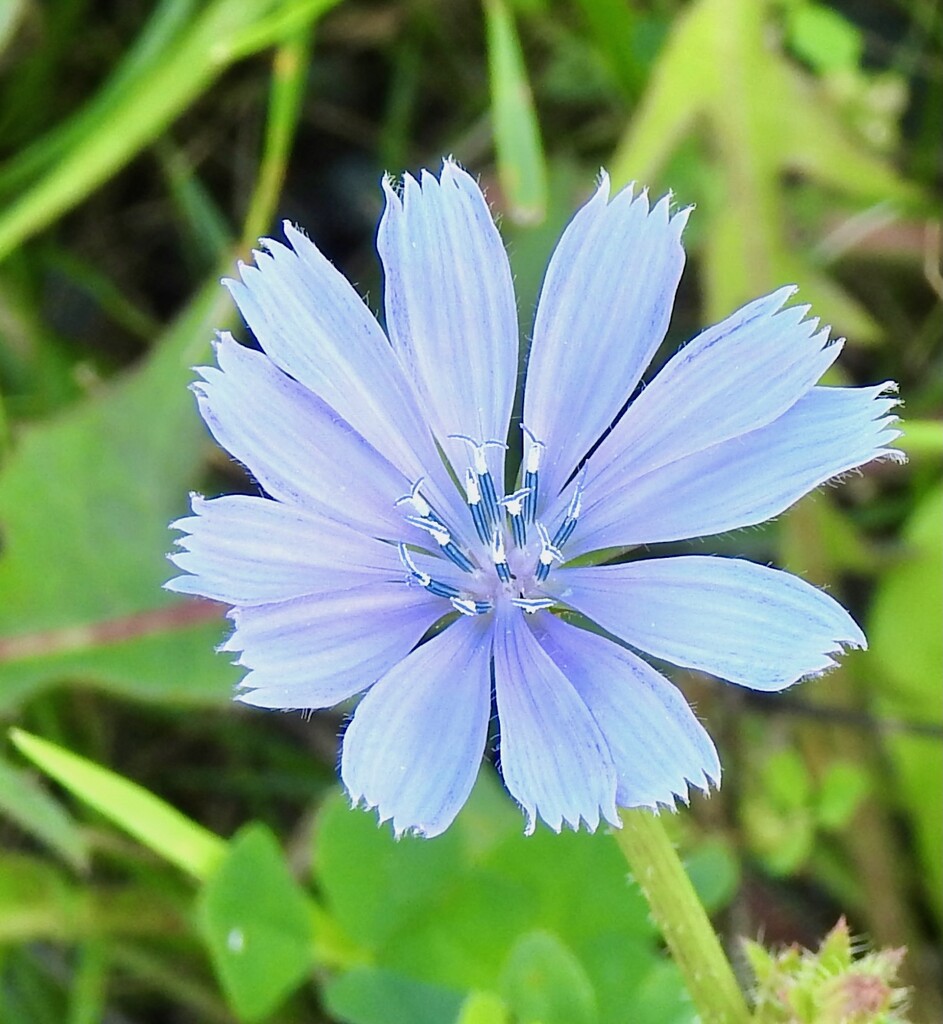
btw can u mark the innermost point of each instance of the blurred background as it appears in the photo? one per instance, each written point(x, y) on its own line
point(166, 856)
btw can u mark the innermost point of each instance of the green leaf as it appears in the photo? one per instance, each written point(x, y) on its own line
point(907, 648)
point(484, 1008)
point(553, 870)
point(615, 27)
point(663, 999)
point(84, 504)
point(24, 801)
point(371, 995)
point(821, 36)
point(842, 789)
point(460, 938)
point(86, 498)
point(36, 901)
point(177, 663)
point(373, 883)
point(521, 165)
point(783, 842)
point(149, 819)
point(257, 923)
point(714, 870)
point(544, 983)
point(786, 780)
point(448, 911)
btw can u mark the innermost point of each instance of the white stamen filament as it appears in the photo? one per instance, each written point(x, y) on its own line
point(534, 451)
point(472, 490)
point(548, 553)
point(488, 511)
point(414, 498)
point(465, 605)
point(422, 578)
point(514, 503)
point(532, 604)
point(436, 530)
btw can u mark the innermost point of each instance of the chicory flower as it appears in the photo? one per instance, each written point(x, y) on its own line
point(394, 551)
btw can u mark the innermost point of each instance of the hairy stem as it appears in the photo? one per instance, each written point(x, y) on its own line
point(681, 918)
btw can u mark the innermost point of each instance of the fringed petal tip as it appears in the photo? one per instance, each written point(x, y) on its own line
point(180, 584)
point(857, 641)
point(222, 338)
point(708, 782)
point(588, 820)
point(256, 698)
point(185, 524)
point(679, 792)
point(390, 186)
point(290, 229)
point(414, 745)
point(839, 648)
point(400, 828)
point(894, 455)
point(451, 172)
point(678, 218)
point(887, 400)
point(220, 344)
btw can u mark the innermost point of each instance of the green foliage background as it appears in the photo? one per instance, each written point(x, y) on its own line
point(169, 857)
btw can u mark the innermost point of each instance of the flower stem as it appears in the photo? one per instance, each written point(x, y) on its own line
point(683, 922)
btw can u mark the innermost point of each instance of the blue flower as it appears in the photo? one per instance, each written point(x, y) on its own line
point(386, 556)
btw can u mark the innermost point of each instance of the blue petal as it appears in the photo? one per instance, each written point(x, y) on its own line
point(450, 309)
point(659, 748)
point(745, 480)
point(314, 326)
point(313, 652)
point(554, 758)
point(603, 311)
point(297, 448)
point(245, 550)
point(415, 744)
point(732, 379)
point(746, 623)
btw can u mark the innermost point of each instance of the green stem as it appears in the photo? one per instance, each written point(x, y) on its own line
point(683, 922)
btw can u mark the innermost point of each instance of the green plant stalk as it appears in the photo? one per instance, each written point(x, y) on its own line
point(224, 31)
point(519, 150)
point(145, 110)
point(682, 920)
point(284, 111)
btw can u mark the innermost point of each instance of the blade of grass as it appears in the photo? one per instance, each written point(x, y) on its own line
point(10, 13)
point(87, 993)
point(519, 150)
point(284, 110)
point(24, 801)
point(154, 99)
point(149, 819)
point(282, 24)
point(165, 25)
point(207, 231)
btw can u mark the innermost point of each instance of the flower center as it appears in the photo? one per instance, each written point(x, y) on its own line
point(515, 551)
